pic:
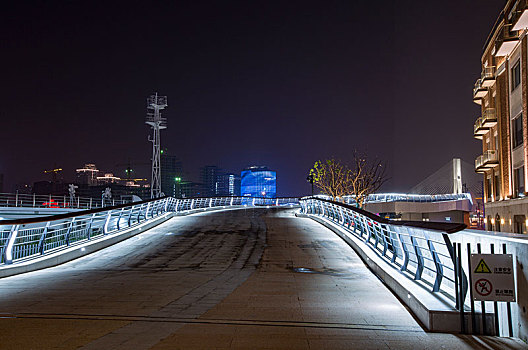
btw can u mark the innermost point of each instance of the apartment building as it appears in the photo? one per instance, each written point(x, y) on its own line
point(501, 91)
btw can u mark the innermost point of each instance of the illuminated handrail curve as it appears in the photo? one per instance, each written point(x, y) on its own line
point(28, 238)
point(420, 250)
point(23, 200)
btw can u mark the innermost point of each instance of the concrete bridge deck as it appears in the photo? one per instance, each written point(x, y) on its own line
point(238, 279)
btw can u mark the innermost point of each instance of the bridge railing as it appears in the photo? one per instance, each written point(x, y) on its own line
point(52, 201)
point(421, 250)
point(28, 238)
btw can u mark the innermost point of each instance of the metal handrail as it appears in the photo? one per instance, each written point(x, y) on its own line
point(28, 238)
point(422, 250)
point(24, 200)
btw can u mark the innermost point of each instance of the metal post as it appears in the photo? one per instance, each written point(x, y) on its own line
point(119, 218)
point(495, 306)
point(438, 266)
point(68, 233)
point(105, 227)
point(461, 290)
point(43, 237)
point(16, 199)
point(8, 252)
point(508, 305)
point(455, 270)
point(89, 227)
point(482, 304)
point(34, 201)
point(472, 302)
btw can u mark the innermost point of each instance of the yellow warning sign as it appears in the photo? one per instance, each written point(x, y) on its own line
point(482, 267)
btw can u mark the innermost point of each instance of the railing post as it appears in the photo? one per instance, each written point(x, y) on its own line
point(34, 201)
point(192, 204)
point(119, 218)
point(70, 228)
point(419, 259)
point(90, 203)
point(130, 215)
point(139, 214)
point(147, 210)
point(8, 253)
point(105, 227)
point(405, 251)
point(438, 266)
point(89, 227)
point(78, 202)
point(16, 199)
point(43, 237)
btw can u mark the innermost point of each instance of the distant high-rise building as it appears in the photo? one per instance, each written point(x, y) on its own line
point(228, 185)
point(208, 175)
point(258, 181)
point(87, 175)
point(171, 174)
point(190, 189)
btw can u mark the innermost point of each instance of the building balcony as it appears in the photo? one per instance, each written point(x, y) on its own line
point(519, 18)
point(506, 41)
point(486, 161)
point(484, 123)
point(487, 77)
point(479, 92)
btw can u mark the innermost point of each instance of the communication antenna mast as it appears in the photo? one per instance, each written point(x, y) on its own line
point(155, 104)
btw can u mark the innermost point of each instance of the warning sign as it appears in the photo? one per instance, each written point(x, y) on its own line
point(482, 267)
point(483, 287)
point(492, 277)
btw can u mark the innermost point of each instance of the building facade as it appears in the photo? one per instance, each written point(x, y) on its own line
point(501, 91)
point(258, 181)
point(227, 184)
point(171, 173)
point(208, 177)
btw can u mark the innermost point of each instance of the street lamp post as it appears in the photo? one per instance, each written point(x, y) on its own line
point(310, 179)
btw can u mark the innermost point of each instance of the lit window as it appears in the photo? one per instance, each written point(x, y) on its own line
point(516, 75)
point(517, 131)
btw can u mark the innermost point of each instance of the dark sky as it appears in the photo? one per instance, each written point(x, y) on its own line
point(280, 84)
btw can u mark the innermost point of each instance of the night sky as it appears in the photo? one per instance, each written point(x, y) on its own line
point(280, 84)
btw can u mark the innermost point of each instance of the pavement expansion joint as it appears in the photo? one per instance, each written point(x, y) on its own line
point(239, 322)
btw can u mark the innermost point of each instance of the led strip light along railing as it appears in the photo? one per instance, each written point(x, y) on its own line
point(420, 250)
point(28, 238)
point(23, 200)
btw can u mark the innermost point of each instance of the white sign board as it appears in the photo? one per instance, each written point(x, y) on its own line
point(492, 277)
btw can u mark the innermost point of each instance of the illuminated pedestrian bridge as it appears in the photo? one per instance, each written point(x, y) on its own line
point(240, 272)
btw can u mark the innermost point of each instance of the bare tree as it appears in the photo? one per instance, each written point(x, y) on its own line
point(366, 177)
point(331, 177)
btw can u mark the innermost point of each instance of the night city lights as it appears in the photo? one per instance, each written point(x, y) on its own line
point(264, 175)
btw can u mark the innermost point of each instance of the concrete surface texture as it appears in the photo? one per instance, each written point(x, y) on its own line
point(240, 279)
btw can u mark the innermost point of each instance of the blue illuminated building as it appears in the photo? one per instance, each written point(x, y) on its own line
point(257, 181)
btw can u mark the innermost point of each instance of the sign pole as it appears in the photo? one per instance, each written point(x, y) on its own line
point(461, 290)
point(473, 319)
point(495, 309)
point(508, 306)
point(482, 304)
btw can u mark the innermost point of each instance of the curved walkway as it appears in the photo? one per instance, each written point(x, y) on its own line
point(239, 279)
